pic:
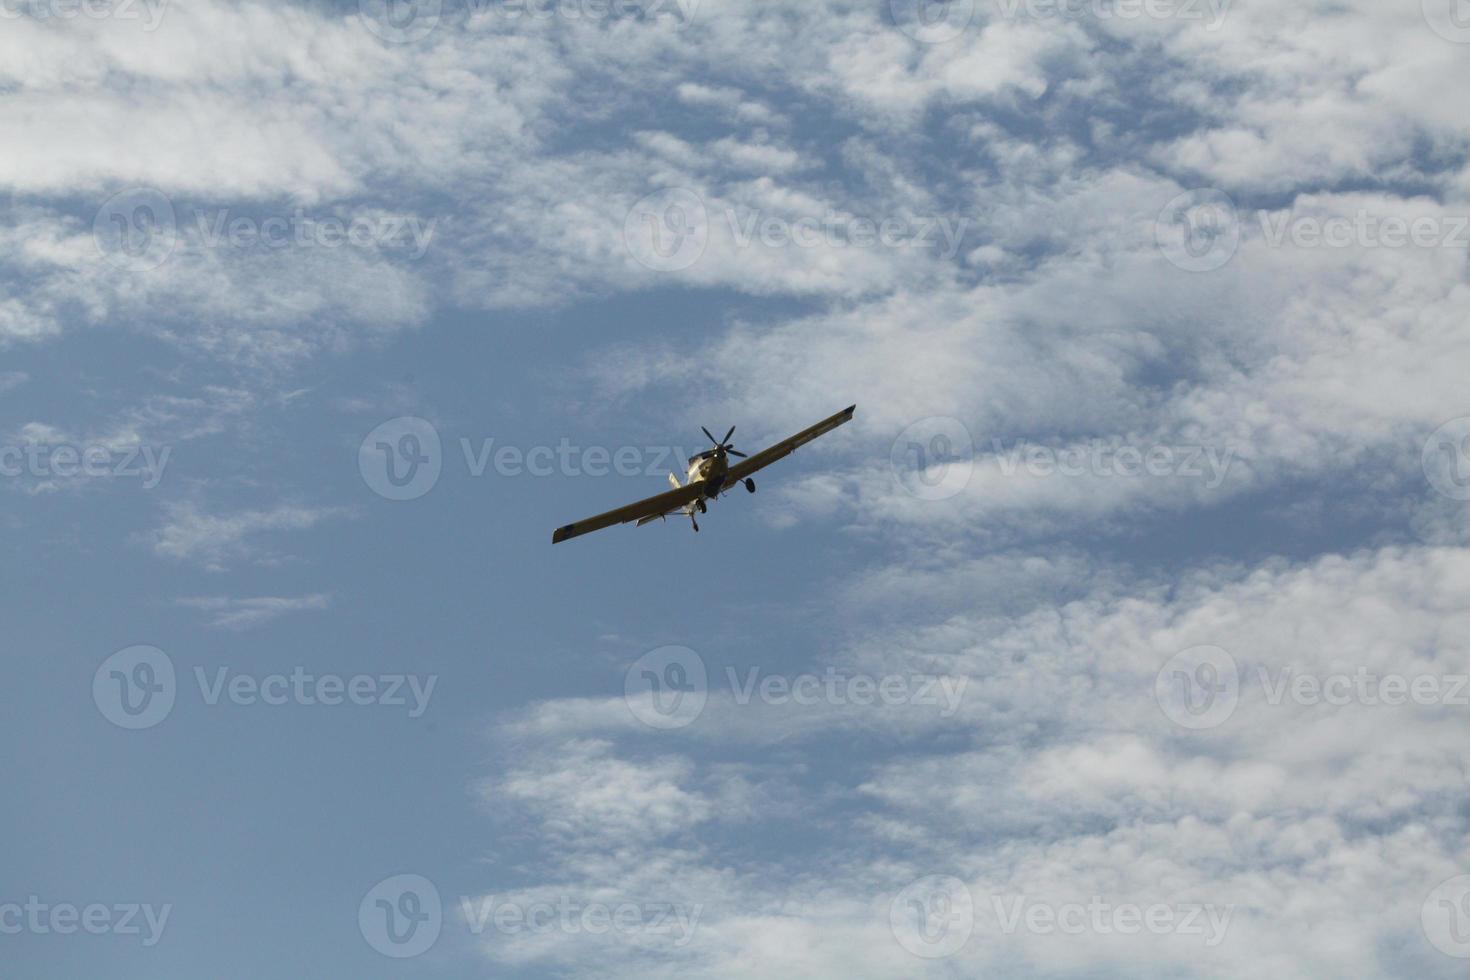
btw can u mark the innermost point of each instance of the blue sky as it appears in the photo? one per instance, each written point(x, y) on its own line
point(1122, 632)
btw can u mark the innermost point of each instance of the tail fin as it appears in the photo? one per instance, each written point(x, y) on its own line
point(675, 481)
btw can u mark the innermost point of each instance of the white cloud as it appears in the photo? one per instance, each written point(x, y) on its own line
point(228, 612)
point(190, 533)
point(1313, 832)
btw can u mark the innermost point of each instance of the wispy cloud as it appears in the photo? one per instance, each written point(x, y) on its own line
point(242, 613)
point(213, 540)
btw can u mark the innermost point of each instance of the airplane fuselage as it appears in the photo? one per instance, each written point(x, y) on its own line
point(712, 469)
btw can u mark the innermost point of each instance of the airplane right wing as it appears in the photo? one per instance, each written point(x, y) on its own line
point(785, 448)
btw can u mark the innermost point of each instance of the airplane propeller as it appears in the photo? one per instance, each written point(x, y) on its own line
point(721, 444)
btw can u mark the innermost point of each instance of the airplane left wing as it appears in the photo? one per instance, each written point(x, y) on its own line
point(664, 503)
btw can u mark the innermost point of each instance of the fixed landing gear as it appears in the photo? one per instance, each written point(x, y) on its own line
point(750, 485)
point(703, 507)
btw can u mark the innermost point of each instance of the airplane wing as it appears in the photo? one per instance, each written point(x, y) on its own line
point(664, 503)
point(785, 448)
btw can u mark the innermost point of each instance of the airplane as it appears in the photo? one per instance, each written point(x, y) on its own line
point(710, 475)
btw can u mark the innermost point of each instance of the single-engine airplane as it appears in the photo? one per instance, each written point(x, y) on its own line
point(710, 475)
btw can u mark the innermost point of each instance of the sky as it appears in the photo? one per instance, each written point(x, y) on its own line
point(1121, 633)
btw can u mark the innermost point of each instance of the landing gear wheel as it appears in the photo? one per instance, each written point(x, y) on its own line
point(750, 485)
point(703, 508)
